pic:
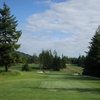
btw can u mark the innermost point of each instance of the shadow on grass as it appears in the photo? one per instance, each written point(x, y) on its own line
point(72, 77)
point(10, 72)
point(91, 90)
point(81, 78)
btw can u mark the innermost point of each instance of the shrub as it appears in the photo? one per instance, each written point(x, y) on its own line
point(25, 67)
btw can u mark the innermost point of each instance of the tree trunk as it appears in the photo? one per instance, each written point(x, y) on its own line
point(6, 68)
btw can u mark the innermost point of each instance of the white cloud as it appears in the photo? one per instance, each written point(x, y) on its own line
point(75, 21)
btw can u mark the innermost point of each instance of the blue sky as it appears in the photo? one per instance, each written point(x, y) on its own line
point(23, 8)
point(66, 26)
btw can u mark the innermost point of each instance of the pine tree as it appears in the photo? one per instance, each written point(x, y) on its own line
point(56, 64)
point(81, 60)
point(92, 63)
point(51, 61)
point(63, 62)
point(46, 59)
point(8, 37)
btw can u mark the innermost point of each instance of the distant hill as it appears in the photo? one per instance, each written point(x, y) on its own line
point(23, 57)
point(24, 54)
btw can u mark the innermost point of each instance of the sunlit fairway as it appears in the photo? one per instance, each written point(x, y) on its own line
point(48, 86)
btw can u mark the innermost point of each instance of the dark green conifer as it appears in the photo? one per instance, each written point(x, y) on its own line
point(92, 63)
point(8, 37)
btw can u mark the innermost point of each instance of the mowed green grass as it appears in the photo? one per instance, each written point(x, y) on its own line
point(48, 86)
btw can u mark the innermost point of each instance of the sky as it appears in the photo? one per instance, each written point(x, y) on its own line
point(66, 26)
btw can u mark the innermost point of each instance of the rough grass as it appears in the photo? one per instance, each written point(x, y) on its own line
point(48, 86)
point(71, 69)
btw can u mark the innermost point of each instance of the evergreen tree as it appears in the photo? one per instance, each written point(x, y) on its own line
point(56, 65)
point(81, 61)
point(52, 61)
point(73, 60)
point(46, 58)
point(8, 37)
point(92, 63)
point(34, 59)
point(57, 62)
point(63, 62)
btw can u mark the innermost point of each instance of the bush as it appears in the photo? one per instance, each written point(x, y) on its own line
point(25, 67)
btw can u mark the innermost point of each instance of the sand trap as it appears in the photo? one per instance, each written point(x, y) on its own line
point(40, 72)
point(43, 71)
point(76, 74)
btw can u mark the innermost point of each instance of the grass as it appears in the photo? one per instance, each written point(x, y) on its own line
point(71, 69)
point(32, 67)
point(48, 86)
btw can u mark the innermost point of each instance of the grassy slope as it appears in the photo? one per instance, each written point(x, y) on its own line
point(48, 86)
point(71, 69)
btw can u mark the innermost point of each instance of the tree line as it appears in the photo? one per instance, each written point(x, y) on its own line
point(47, 60)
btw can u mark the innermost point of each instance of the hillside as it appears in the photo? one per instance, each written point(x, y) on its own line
point(24, 54)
